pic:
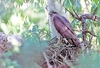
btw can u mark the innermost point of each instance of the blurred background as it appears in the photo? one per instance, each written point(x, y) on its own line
point(28, 19)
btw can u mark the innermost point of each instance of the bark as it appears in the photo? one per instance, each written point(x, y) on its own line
point(51, 7)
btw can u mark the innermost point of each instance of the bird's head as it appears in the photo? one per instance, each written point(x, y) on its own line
point(52, 13)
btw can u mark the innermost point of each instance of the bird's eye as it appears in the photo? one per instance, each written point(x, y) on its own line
point(50, 14)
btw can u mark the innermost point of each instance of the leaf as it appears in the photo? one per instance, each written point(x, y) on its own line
point(79, 35)
point(35, 29)
point(78, 5)
point(74, 22)
point(96, 1)
point(68, 4)
point(4, 28)
point(98, 12)
point(98, 34)
point(2, 10)
point(93, 7)
point(8, 54)
point(19, 1)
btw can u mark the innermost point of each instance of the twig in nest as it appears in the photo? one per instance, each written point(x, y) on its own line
point(53, 40)
point(48, 64)
point(65, 61)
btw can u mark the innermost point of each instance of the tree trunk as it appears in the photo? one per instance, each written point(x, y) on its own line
point(53, 5)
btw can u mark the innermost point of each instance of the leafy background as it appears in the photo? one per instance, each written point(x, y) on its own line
point(28, 18)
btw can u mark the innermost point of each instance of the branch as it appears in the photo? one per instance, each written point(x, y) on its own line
point(48, 64)
point(75, 12)
point(90, 33)
point(83, 20)
point(92, 17)
point(88, 16)
point(75, 16)
point(90, 40)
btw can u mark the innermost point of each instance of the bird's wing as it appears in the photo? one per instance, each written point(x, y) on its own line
point(65, 30)
point(66, 23)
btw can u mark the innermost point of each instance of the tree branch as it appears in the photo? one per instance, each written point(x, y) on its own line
point(83, 20)
point(71, 13)
point(88, 16)
point(90, 33)
point(75, 12)
point(47, 60)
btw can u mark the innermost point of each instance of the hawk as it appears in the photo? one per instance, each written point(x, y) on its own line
point(64, 28)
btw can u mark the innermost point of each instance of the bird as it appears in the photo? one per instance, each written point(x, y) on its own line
point(64, 28)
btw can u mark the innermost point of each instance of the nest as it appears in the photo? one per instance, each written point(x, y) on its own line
point(59, 53)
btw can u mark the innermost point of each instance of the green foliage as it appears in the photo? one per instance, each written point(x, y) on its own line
point(89, 60)
point(73, 4)
point(78, 6)
point(6, 62)
point(68, 4)
point(98, 12)
point(27, 18)
point(93, 7)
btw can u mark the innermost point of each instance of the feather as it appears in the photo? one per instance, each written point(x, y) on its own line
point(65, 29)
